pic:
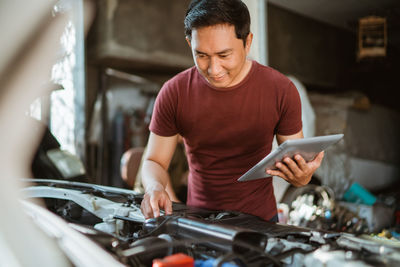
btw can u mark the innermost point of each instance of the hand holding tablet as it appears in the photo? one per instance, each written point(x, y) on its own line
point(308, 148)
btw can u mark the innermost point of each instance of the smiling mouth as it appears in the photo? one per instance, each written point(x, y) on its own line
point(217, 78)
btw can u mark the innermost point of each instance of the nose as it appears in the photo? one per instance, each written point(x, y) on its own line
point(214, 67)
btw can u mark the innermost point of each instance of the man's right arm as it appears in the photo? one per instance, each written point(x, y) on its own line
point(155, 176)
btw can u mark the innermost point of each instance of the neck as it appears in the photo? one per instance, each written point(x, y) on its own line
point(245, 70)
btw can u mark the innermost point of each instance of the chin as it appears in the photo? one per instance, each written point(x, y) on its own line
point(219, 84)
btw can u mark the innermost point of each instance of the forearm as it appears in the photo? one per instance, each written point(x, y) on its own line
point(154, 176)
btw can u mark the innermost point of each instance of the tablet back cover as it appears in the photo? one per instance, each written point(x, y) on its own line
point(307, 147)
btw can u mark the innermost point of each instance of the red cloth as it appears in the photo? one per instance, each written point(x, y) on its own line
point(226, 132)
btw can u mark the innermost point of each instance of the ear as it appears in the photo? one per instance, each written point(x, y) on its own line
point(249, 39)
point(188, 41)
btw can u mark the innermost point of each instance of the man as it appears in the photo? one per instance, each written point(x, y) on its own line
point(227, 109)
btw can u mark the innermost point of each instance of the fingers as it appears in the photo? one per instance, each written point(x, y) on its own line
point(154, 206)
point(286, 168)
point(168, 208)
point(301, 163)
point(154, 201)
point(145, 207)
point(165, 203)
point(278, 173)
point(296, 171)
point(293, 180)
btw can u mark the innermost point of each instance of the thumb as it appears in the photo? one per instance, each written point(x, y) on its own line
point(320, 156)
point(318, 159)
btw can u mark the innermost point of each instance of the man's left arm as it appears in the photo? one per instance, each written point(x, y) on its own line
point(296, 170)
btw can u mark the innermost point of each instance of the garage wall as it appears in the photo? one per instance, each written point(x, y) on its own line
point(323, 57)
point(316, 53)
point(144, 38)
point(141, 35)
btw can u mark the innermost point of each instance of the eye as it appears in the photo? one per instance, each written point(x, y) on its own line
point(224, 55)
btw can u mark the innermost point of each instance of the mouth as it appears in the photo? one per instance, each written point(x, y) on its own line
point(217, 78)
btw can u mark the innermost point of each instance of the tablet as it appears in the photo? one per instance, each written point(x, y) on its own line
point(308, 148)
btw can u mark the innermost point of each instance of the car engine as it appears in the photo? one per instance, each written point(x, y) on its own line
point(111, 219)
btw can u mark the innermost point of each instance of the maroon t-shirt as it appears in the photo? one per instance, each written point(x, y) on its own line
point(226, 132)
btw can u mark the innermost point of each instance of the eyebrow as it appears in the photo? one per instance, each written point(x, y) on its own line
point(218, 53)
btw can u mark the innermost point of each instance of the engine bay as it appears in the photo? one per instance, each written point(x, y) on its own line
point(111, 218)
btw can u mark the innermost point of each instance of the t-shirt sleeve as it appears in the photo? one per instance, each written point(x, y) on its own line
point(290, 111)
point(163, 120)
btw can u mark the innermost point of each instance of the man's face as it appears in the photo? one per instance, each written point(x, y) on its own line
point(219, 55)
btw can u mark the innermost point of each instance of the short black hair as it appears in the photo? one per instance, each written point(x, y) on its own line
point(203, 13)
